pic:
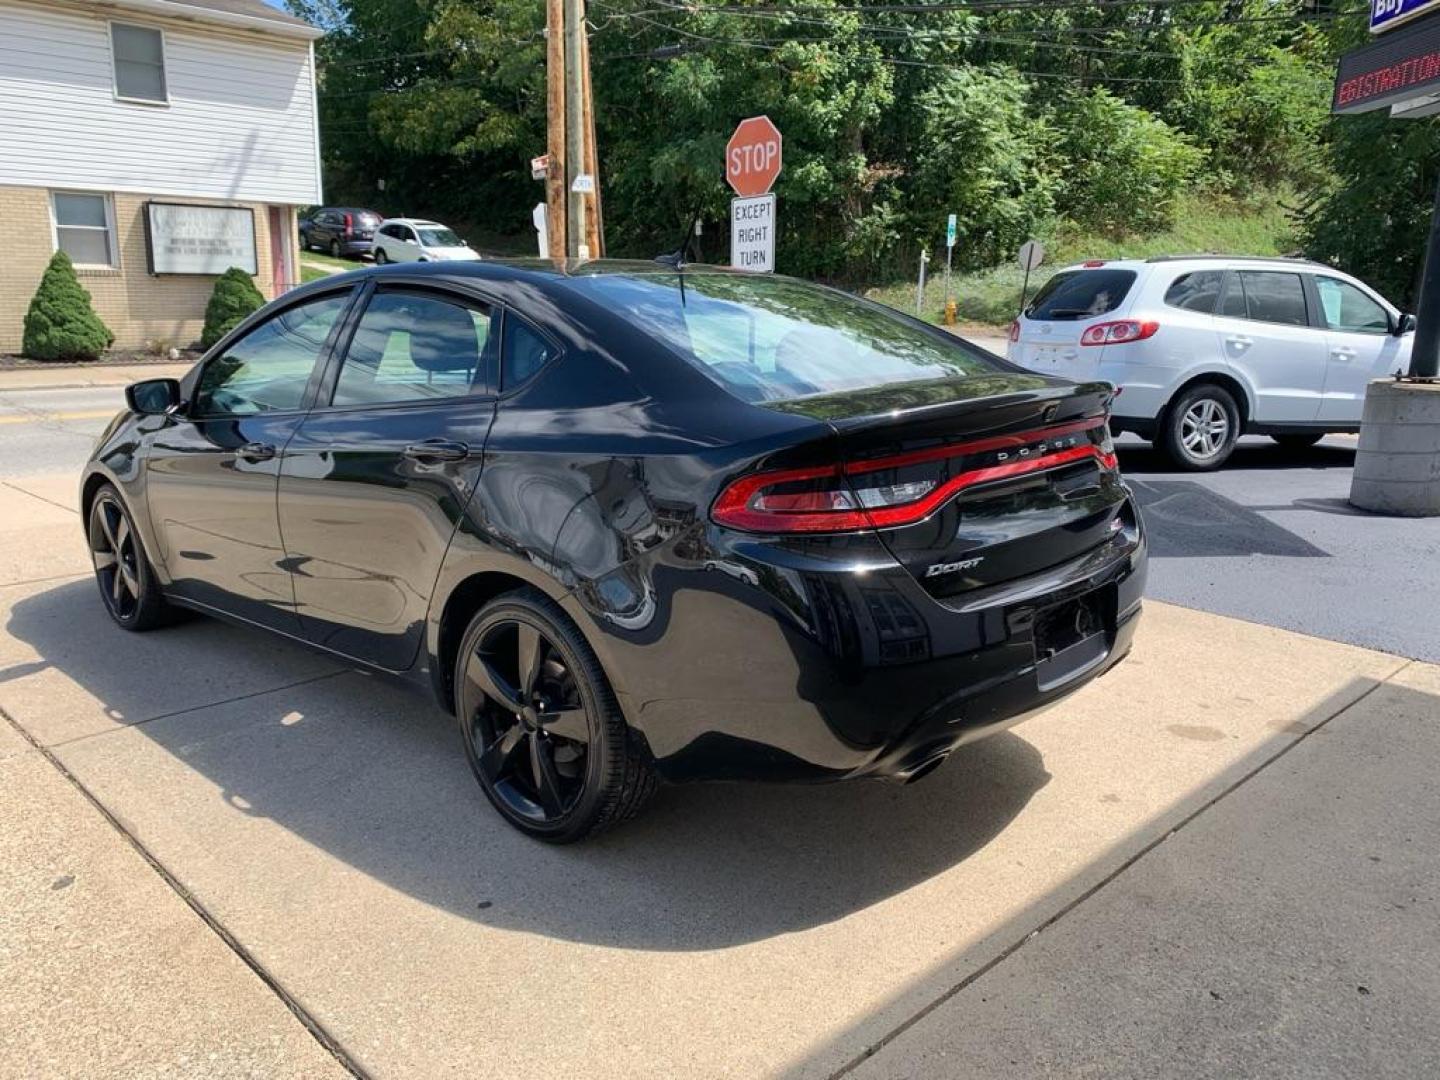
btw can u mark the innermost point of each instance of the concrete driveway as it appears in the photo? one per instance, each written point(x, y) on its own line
point(227, 856)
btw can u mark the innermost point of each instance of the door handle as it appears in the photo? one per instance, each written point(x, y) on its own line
point(437, 450)
point(1239, 341)
point(1343, 353)
point(255, 451)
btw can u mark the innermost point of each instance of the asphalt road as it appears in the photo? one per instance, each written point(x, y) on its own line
point(1270, 538)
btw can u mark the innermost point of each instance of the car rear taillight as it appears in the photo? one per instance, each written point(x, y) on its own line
point(1119, 332)
point(349, 221)
point(900, 489)
point(1091, 264)
point(1015, 330)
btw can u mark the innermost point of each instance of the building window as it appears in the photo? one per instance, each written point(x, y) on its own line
point(84, 228)
point(138, 53)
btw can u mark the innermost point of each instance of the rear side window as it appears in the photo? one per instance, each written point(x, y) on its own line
point(1081, 294)
point(409, 347)
point(1272, 296)
point(1197, 291)
point(526, 352)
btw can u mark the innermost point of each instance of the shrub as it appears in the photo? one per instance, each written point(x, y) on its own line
point(235, 297)
point(61, 324)
point(1124, 168)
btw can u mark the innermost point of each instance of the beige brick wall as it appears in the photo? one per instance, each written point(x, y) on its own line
point(139, 308)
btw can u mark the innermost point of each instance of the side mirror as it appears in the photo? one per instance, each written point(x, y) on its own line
point(153, 397)
point(1405, 325)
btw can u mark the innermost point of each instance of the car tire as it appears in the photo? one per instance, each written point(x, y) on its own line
point(567, 766)
point(380, 257)
point(1298, 442)
point(1200, 428)
point(127, 583)
point(335, 250)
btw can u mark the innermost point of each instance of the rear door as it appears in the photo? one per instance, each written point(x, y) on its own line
point(1265, 331)
point(211, 473)
point(1362, 346)
point(1072, 300)
point(374, 481)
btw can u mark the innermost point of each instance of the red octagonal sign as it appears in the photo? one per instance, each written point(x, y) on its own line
point(752, 156)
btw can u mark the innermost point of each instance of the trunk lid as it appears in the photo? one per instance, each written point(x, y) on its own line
point(976, 482)
point(1071, 301)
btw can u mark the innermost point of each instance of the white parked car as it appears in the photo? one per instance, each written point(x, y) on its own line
point(417, 240)
point(1203, 349)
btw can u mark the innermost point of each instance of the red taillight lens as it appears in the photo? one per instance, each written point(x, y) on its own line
point(1015, 330)
point(349, 221)
point(1119, 332)
point(900, 489)
point(1091, 264)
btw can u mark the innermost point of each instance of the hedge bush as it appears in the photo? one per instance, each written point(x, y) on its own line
point(235, 297)
point(60, 323)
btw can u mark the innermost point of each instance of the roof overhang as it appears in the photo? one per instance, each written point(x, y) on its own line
point(174, 9)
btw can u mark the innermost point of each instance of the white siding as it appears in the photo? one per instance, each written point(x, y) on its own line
point(240, 123)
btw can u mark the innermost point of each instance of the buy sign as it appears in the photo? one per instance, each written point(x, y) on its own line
point(752, 156)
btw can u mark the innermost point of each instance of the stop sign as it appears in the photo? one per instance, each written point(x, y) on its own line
point(752, 156)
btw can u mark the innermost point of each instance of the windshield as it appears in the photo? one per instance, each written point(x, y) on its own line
point(769, 339)
point(438, 236)
point(1081, 294)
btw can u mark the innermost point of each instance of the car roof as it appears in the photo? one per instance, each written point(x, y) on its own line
point(409, 221)
point(1202, 260)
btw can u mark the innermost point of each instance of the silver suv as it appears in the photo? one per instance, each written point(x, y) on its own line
point(1202, 349)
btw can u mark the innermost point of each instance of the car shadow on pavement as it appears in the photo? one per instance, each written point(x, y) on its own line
point(1185, 519)
point(371, 773)
point(1138, 457)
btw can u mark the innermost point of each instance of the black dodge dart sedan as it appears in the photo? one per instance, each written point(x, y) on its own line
point(633, 522)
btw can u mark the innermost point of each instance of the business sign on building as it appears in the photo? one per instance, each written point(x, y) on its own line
point(1393, 69)
point(1385, 14)
point(186, 239)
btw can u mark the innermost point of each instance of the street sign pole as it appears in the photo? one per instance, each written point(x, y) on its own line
point(920, 286)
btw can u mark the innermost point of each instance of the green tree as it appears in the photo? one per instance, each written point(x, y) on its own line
point(234, 297)
point(60, 323)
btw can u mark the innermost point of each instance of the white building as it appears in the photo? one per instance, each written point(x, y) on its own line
point(157, 142)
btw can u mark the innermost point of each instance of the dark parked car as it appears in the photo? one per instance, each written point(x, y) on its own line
point(632, 522)
point(340, 230)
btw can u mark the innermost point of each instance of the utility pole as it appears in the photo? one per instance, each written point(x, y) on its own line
point(575, 124)
point(556, 185)
point(595, 223)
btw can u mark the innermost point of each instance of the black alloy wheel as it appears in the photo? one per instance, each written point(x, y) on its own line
point(335, 252)
point(542, 731)
point(380, 257)
point(122, 571)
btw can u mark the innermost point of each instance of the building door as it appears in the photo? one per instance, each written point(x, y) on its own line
point(282, 261)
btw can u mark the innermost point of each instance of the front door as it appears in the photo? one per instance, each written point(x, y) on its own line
point(1362, 347)
point(1263, 323)
point(374, 481)
point(211, 472)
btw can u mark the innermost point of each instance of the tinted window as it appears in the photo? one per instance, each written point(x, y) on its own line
point(1274, 296)
point(1196, 291)
point(768, 338)
point(269, 368)
point(1347, 308)
point(526, 352)
point(409, 347)
point(1081, 294)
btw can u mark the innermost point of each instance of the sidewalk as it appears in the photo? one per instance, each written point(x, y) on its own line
point(81, 376)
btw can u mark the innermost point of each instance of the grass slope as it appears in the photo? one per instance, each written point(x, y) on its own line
point(992, 297)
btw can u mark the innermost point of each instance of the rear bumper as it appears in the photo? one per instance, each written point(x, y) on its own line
point(799, 674)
